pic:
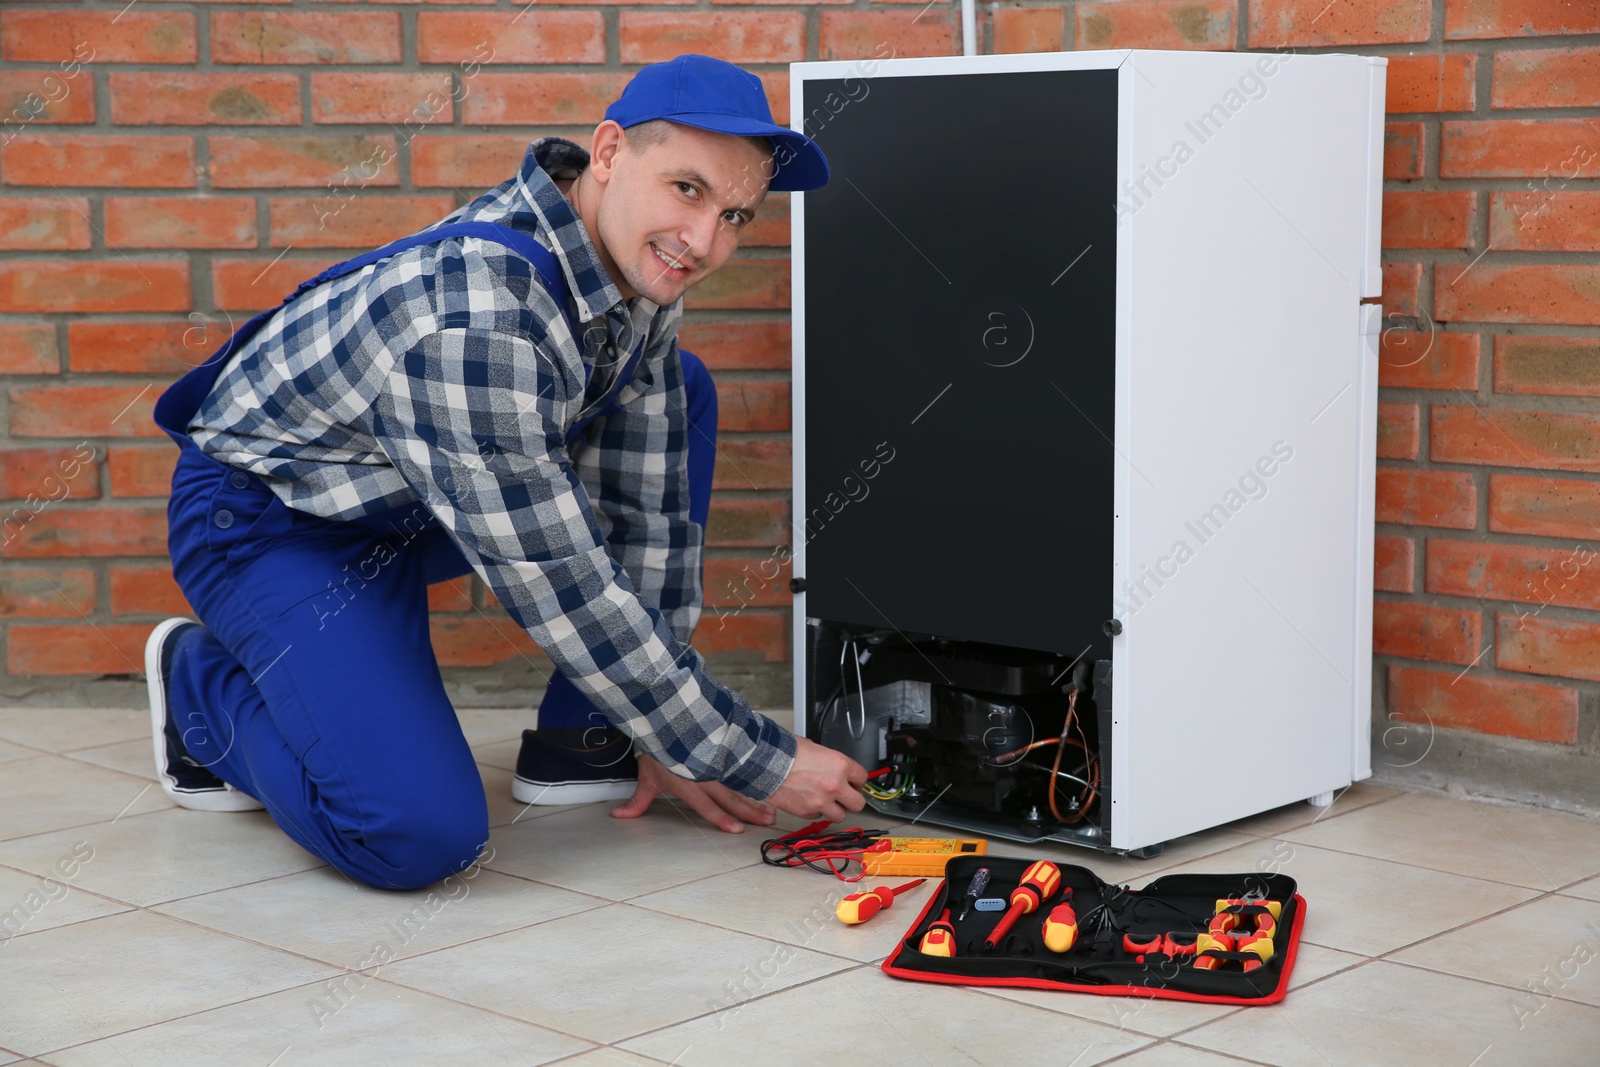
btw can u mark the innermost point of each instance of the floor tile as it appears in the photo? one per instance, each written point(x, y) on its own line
point(607, 1056)
point(1386, 1015)
point(585, 849)
point(45, 793)
point(835, 1019)
point(320, 914)
point(1162, 1018)
point(504, 809)
point(1589, 890)
point(60, 729)
point(793, 906)
point(1167, 1054)
point(1364, 905)
point(1543, 949)
point(610, 973)
point(502, 754)
point(168, 854)
point(1293, 816)
point(1538, 850)
point(96, 979)
point(31, 902)
point(370, 1021)
point(484, 726)
point(130, 757)
point(9, 752)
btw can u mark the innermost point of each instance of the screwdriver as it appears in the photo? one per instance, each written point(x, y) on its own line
point(1061, 926)
point(1039, 883)
point(859, 907)
point(980, 882)
point(940, 940)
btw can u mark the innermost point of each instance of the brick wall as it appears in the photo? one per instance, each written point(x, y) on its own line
point(169, 168)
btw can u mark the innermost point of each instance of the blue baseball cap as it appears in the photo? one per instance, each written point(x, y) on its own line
point(712, 94)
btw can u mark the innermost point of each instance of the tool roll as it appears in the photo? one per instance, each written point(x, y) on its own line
point(1218, 938)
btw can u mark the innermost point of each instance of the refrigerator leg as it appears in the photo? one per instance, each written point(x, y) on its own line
point(1321, 800)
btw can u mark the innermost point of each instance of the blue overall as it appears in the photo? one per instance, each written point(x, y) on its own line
point(345, 733)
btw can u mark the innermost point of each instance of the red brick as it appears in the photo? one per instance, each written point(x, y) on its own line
point(1530, 710)
point(770, 227)
point(363, 222)
point(1317, 22)
point(86, 649)
point(1404, 150)
point(524, 36)
point(452, 594)
point(272, 162)
point(1398, 431)
point(232, 99)
point(96, 531)
point(1548, 507)
point(49, 472)
point(1394, 564)
point(749, 581)
point(1543, 440)
point(738, 345)
point(138, 471)
point(1029, 29)
point(1442, 81)
point(147, 591)
point(155, 162)
point(479, 641)
point(777, 88)
point(1566, 648)
point(1519, 148)
point(167, 348)
point(767, 37)
point(1465, 19)
point(481, 161)
point(1553, 366)
point(741, 3)
point(29, 348)
point(412, 99)
point(1427, 498)
point(180, 222)
point(39, 594)
point(1559, 293)
point(887, 34)
point(30, 97)
point(752, 464)
point(1175, 24)
point(257, 284)
point(46, 36)
point(1556, 77)
point(1402, 282)
point(1567, 577)
point(744, 283)
point(305, 37)
point(1413, 359)
point(556, 98)
point(1544, 222)
point(1429, 218)
point(746, 635)
point(752, 406)
point(745, 521)
point(40, 223)
point(84, 411)
point(1422, 631)
point(94, 285)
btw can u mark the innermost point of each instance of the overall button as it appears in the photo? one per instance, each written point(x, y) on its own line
point(239, 479)
point(224, 518)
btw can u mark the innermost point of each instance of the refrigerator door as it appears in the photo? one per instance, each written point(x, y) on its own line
point(1241, 246)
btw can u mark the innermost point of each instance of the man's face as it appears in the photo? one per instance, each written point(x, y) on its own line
point(673, 212)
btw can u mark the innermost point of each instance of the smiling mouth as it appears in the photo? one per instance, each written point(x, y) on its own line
point(675, 267)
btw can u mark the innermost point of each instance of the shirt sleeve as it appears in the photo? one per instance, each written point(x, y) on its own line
point(473, 420)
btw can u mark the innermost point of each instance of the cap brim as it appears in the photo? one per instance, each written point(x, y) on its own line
point(800, 164)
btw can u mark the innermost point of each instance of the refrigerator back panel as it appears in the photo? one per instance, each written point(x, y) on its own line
point(959, 372)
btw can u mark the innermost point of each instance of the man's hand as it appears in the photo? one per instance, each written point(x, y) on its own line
point(722, 807)
point(822, 784)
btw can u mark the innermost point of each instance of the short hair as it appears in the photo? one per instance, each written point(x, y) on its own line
point(645, 135)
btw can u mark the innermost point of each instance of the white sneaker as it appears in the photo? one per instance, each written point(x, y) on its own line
point(188, 783)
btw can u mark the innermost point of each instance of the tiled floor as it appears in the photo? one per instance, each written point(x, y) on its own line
point(136, 932)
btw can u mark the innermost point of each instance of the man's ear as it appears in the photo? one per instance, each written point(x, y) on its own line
point(604, 147)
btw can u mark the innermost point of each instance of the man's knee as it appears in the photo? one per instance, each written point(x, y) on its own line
point(433, 842)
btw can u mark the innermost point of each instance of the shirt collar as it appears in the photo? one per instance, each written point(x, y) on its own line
point(592, 287)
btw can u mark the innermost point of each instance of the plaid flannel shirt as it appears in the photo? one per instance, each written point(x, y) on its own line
point(448, 374)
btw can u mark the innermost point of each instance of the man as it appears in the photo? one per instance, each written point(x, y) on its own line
point(504, 393)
